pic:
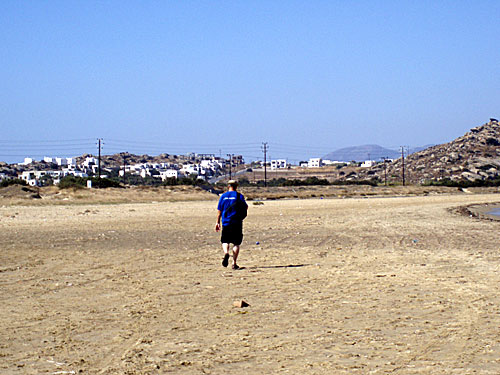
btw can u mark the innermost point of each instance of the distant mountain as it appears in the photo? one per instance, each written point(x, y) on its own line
point(362, 153)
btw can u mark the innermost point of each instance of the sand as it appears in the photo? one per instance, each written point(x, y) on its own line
point(382, 285)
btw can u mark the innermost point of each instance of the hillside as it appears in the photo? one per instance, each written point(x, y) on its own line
point(474, 156)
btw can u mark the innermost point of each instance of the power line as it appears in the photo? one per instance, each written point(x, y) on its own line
point(64, 141)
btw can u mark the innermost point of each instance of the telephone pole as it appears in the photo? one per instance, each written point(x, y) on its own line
point(408, 169)
point(385, 169)
point(230, 164)
point(124, 167)
point(403, 163)
point(99, 140)
point(265, 149)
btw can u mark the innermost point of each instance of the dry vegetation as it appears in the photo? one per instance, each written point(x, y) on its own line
point(26, 195)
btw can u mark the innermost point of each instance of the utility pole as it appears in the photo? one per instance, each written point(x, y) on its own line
point(265, 149)
point(124, 167)
point(408, 170)
point(403, 163)
point(99, 167)
point(230, 164)
point(385, 169)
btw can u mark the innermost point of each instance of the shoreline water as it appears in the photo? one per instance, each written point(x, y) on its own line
point(489, 211)
point(495, 212)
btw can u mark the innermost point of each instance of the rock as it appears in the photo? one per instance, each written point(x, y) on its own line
point(471, 176)
point(240, 304)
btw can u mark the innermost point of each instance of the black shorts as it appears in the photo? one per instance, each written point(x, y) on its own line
point(232, 233)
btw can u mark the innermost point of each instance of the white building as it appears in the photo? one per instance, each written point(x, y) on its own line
point(33, 177)
point(168, 173)
point(61, 161)
point(145, 172)
point(368, 164)
point(314, 163)
point(220, 162)
point(89, 161)
point(208, 164)
point(77, 173)
point(332, 162)
point(189, 169)
point(279, 164)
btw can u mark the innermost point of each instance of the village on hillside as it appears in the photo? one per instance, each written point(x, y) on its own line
point(207, 167)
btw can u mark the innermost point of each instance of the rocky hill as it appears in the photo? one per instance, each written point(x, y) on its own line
point(474, 156)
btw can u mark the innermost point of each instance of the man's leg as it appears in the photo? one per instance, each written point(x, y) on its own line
point(236, 251)
point(225, 260)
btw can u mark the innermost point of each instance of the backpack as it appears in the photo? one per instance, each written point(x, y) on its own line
point(239, 207)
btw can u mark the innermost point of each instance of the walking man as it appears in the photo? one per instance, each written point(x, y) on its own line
point(231, 209)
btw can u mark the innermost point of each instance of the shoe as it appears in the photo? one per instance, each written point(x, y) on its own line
point(225, 261)
point(236, 267)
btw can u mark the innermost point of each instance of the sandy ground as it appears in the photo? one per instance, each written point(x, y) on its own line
point(394, 285)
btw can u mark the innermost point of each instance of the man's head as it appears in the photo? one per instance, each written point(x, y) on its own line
point(232, 184)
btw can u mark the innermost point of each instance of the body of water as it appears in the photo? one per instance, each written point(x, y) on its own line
point(496, 212)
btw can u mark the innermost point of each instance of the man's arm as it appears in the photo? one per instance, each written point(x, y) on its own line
point(217, 225)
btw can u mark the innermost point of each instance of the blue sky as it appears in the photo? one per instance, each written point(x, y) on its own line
point(307, 77)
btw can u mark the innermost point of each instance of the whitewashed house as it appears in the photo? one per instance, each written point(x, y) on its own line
point(332, 162)
point(33, 178)
point(279, 164)
point(89, 161)
point(61, 161)
point(145, 172)
point(168, 173)
point(368, 164)
point(77, 173)
point(220, 162)
point(29, 177)
point(188, 169)
point(314, 163)
point(207, 164)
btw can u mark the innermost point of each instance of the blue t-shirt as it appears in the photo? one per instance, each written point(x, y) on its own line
point(225, 202)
